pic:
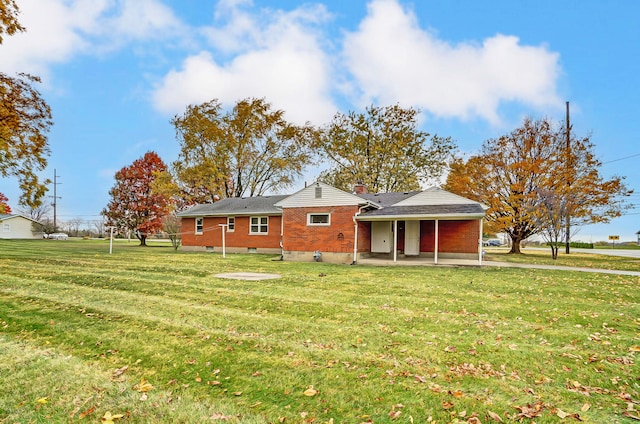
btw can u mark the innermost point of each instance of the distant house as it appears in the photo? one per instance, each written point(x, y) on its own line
point(321, 222)
point(17, 227)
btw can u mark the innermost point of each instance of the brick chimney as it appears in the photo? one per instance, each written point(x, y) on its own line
point(360, 188)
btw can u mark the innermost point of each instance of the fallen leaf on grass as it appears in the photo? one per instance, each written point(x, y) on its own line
point(143, 386)
point(219, 416)
point(630, 415)
point(530, 411)
point(585, 407)
point(109, 418)
point(394, 414)
point(42, 401)
point(495, 417)
point(310, 392)
point(87, 412)
point(562, 415)
point(117, 373)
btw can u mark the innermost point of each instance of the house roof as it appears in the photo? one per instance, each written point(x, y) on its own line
point(4, 217)
point(260, 205)
point(387, 199)
point(451, 211)
point(321, 195)
point(433, 203)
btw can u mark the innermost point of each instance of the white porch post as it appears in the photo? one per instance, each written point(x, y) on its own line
point(480, 245)
point(395, 240)
point(435, 248)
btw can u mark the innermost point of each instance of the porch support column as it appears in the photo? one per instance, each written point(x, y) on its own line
point(480, 244)
point(435, 244)
point(395, 240)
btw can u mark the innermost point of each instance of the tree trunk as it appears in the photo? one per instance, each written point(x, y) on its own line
point(515, 245)
point(554, 251)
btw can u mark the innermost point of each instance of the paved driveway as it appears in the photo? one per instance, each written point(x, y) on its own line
point(627, 253)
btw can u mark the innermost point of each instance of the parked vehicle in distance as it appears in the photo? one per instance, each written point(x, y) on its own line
point(58, 236)
point(492, 242)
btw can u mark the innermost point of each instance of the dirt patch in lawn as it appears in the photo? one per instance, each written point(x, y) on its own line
point(250, 276)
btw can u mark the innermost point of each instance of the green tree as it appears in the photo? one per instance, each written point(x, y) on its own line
point(25, 119)
point(383, 149)
point(133, 205)
point(531, 182)
point(247, 151)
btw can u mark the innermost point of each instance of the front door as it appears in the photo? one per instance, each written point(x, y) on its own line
point(381, 237)
point(412, 238)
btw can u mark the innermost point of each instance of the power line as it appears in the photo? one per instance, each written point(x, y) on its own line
point(619, 159)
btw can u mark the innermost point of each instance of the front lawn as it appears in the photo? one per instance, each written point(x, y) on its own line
point(149, 335)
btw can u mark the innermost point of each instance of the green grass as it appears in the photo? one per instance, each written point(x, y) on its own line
point(573, 259)
point(378, 344)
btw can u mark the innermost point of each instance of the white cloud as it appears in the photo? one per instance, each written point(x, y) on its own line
point(58, 30)
point(393, 60)
point(276, 55)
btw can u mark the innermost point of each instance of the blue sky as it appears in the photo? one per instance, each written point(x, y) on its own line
point(116, 71)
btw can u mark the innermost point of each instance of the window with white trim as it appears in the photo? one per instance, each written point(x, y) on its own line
point(259, 225)
point(6, 227)
point(319, 219)
point(231, 224)
point(199, 225)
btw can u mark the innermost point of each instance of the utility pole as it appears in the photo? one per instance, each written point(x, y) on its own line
point(55, 200)
point(568, 195)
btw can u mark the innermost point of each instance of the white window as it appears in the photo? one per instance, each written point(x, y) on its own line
point(259, 225)
point(231, 224)
point(319, 219)
point(6, 227)
point(199, 225)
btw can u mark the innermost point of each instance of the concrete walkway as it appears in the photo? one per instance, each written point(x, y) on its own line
point(474, 263)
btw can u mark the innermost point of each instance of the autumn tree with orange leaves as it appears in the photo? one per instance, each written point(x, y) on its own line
point(134, 206)
point(4, 206)
point(532, 182)
point(25, 119)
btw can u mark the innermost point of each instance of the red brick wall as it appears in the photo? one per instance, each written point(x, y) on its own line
point(364, 236)
point(454, 236)
point(337, 237)
point(212, 235)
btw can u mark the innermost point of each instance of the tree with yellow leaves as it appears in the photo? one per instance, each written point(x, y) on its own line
point(25, 119)
point(532, 182)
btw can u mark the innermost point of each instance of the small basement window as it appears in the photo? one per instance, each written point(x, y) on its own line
point(319, 219)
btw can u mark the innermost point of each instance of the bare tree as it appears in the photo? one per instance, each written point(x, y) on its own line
point(74, 226)
point(37, 213)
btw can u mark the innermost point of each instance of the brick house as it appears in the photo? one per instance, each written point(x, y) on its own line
point(323, 222)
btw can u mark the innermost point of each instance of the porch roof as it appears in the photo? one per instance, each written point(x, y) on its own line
point(447, 211)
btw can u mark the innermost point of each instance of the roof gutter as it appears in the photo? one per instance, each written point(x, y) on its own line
point(355, 238)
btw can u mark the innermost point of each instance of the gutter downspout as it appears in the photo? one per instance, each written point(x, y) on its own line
point(395, 240)
point(355, 238)
point(480, 245)
point(435, 250)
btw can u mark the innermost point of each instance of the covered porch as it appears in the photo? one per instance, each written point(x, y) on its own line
point(414, 238)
